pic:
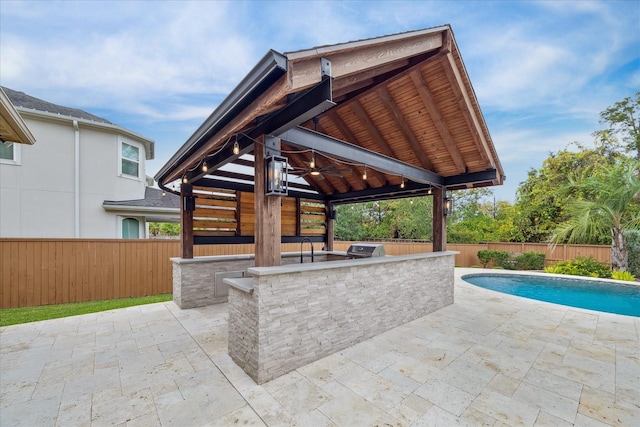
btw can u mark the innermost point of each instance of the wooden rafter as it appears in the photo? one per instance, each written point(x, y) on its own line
point(374, 133)
point(405, 129)
point(432, 108)
point(350, 137)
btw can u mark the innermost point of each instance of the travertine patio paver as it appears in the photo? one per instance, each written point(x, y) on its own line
point(490, 359)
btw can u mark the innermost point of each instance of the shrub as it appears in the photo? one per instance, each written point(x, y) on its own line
point(530, 261)
point(495, 258)
point(485, 256)
point(581, 266)
point(503, 259)
point(623, 275)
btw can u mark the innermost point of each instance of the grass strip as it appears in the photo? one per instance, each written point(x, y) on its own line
point(14, 316)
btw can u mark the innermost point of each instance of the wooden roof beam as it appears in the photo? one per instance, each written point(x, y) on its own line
point(405, 129)
point(432, 108)
point(350, 137)
point(465, 104)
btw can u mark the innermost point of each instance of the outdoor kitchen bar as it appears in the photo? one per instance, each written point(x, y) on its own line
point(282, 318)
point(376, 119)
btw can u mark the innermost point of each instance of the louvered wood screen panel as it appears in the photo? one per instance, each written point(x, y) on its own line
point(313, 218)
point(216, 212)
point(229, 213)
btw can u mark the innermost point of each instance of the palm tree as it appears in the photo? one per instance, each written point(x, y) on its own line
point(610, 204)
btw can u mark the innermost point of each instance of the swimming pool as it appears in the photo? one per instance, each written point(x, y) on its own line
point(610, 297)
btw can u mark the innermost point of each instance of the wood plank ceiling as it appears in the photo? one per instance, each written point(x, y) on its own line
point(405, 96)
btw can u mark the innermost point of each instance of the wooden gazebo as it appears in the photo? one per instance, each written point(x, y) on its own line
point(387, 117)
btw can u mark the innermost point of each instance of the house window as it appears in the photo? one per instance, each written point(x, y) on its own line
point(130, 228)
point(130, 160)
point(10, 153)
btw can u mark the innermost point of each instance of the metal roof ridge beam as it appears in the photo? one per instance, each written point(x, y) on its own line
point(309, 139)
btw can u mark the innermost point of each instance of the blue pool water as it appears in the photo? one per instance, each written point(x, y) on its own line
point(582, 293)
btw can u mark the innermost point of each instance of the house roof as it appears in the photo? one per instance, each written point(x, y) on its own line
point(399, 109)
point(12, 127)
point(154, 200)
point(32, 106)
point(21, 99)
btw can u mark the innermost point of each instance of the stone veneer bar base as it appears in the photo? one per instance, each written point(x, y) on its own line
point(193, 279)
point(293, 315)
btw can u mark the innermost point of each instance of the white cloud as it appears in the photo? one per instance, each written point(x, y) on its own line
point(173, 53)
point(554, 60)
point(520, 144)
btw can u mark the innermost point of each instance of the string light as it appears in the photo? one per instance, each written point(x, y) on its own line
point(236, 146)
point(312, 164)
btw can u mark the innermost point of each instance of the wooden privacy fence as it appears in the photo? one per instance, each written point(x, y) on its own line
point(468, 256)
point(53, 271)
point(37, 272)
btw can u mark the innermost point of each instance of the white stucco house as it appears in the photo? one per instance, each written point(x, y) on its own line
point(85, 177)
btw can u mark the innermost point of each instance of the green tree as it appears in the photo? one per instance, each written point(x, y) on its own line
point(349, 223)
point(170, 229)
point(164, 229)
point(413, 218)
point(507, 223)
point(379, 219)
point(474, 217)
point(609, 204)
point(541, 199)
point(623, 118)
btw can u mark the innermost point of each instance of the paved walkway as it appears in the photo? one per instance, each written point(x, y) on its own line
point(489, 359)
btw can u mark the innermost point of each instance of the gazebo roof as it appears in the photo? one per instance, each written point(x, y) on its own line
point(400, 108)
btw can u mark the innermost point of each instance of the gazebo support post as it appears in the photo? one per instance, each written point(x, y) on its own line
point(268, 228)
point(330, 227)
point(187, 206)
point(439, 221)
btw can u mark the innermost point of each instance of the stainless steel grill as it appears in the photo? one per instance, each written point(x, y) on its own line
point(365, 250)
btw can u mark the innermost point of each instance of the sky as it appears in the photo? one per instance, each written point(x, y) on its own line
point(542, 70)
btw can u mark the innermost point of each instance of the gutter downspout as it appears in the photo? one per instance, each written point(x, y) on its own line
point(76, 177)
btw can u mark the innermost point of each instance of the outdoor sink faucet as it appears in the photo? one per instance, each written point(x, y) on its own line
point(306, 239)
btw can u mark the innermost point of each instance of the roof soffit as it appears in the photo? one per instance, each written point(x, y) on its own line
point(12, 127)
